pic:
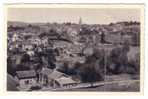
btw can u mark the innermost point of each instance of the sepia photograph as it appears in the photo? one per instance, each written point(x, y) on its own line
point(75, 48)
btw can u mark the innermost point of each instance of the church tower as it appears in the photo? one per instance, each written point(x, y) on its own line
point(80, 21)
point(79, 24)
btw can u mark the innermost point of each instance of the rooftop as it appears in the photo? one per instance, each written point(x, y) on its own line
point(65, 80)
point(26, 74)
point(56, 74)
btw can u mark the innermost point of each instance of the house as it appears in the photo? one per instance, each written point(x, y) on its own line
point(56, 74)
point(27, 45)
point(65, 82)
point(35, 40)
point(30, 52)
point(47, 77)
point(44, 41)
point(18, 59)
point(55, 79)
point(26, 78)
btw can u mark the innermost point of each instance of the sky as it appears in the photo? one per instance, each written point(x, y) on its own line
point(60, 15)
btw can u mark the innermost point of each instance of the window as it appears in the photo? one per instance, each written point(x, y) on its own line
point(27, 82)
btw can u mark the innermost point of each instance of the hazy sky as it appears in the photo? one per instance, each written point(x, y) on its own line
point(90, 16)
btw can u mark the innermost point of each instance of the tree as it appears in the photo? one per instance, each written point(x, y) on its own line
point(25, 58)
point(11, 67)
point(43, 35)
point(98, 60)
point(26, 37)
point(134, 65)
point(125, 47)
point(102, 37)
point(117, 60)
point(23, 66)
point(50, 54)
point(93, 68)
point(111, 24)
point(136, 39)
point(88, 73)
point(29, 25)
point(64, 68)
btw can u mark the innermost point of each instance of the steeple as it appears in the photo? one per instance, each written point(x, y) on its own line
point(80, 21)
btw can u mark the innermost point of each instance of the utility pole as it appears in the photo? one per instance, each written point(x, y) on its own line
point(105, 67)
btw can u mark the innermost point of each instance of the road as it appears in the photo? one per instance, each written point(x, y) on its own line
point(128, 85)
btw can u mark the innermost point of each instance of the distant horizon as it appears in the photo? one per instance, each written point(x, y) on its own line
point(68, 22)
point(64, 15)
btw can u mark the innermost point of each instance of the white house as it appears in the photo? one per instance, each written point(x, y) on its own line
point(26, 78)
point(54, 78)
point(65, 82)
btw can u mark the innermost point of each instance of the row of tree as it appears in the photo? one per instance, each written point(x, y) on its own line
point(100, 64)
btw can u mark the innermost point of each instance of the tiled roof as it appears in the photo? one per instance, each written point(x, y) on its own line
point(55, 75)
point(65, 80)
point(26, 74)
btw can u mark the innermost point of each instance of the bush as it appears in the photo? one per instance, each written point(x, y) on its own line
point(117, 60)
point(134, 64)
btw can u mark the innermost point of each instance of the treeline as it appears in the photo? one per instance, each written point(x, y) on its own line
point(100, 64)
point(126, 23)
